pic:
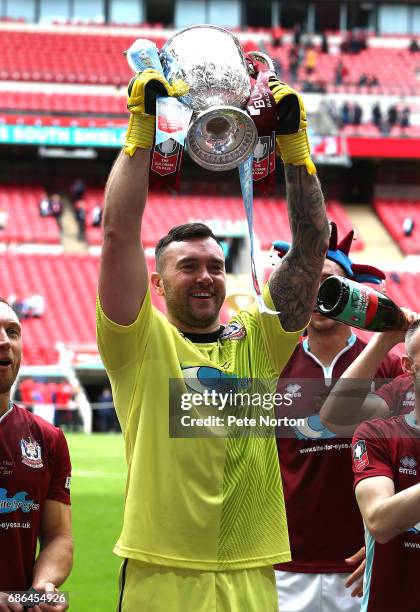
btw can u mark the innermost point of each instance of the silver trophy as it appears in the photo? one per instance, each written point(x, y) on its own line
point(211, 61)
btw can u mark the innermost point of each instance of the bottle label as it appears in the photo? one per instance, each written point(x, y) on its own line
point(361, 307)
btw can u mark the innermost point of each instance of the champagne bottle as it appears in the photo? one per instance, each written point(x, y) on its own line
point(358, 305)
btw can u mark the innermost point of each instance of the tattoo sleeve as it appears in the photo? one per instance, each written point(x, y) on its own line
point(295, 280)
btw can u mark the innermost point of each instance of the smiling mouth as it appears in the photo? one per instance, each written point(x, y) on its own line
point(202, 295)
point(4, 363)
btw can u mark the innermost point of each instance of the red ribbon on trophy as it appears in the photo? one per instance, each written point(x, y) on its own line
point(172, 120)
point(262, 108)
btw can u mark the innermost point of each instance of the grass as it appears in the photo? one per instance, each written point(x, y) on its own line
point(98, 487)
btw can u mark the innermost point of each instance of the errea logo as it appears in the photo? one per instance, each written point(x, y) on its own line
point(407, 466)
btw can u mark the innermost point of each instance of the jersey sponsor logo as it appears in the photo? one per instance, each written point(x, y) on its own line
point(294, 389)
point(234, 331)
point(407, 466)
point(313, 429)
point(206, 378)
point(415, 529)
point(409, 399)
point(67, 483)
point(31, 453)
point(17, 502)
point(360, 456)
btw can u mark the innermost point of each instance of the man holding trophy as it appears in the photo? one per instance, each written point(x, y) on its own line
point(204, 519)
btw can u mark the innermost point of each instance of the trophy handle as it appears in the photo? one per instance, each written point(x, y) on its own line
point(258, 56)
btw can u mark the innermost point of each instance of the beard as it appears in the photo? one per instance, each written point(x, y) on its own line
point(183, 311)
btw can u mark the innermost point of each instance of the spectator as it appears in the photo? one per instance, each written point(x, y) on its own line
point(80, 210)
point(377, 116)
point(62, 398)
point(414, 46)
point(324, 43)
point(310, 61)
point(362, 80)
point(408, 226)
point(56, 205)
point(345, 114)
point(106, 411)
point(96, 215)
point(405, 117)
point(44, 206)
point(35, 305)
point(340, 73)
point(293, 63)
point(392, 115)
point(77, 190)
point(297, 34)
point(357, 114)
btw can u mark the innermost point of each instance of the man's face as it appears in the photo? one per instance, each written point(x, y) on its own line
point(194, 283)
point(411, 363)
point(318, 322)
point(10, 347)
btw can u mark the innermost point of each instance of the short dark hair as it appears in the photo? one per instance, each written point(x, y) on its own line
point(187, 231)
point(409, 336)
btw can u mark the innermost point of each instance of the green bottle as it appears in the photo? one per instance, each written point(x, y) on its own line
point(358, 305)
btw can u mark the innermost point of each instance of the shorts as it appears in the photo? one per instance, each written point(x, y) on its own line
point(154, 588)
point(315, 593)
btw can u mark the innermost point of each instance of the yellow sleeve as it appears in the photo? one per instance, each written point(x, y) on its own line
point(120, 345)
point(279, 343)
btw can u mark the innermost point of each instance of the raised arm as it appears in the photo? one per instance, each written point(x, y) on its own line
point(350, 401)
point(123, 277)
point(295, 281)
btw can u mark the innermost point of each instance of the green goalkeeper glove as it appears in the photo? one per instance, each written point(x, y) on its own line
point(292, 139)
point(141, 102)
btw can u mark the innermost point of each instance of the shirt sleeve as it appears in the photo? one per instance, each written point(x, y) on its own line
point(59, 489)
point(120, 345)
point(370, 454)
point(279, 344)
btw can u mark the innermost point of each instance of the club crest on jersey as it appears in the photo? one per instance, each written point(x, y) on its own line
point(234, 331)
point(360, 456)
point(31, 453)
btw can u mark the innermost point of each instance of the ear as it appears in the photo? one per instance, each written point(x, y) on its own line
point(157, 283)
point(407, 364)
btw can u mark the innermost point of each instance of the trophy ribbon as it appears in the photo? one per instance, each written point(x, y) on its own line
point(172, 121)
point(262, 108)
point(245, 176)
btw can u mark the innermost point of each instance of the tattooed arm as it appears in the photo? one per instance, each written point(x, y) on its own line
point(295, 280)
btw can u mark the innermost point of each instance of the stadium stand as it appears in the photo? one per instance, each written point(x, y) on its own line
point(63, 103)
point(392, 214)
point(24, 223)
point(68, 283)
point(165, 210)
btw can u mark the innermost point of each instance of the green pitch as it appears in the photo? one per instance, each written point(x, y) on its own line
point(98, 487)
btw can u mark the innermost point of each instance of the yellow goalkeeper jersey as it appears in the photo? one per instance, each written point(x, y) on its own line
point(204, 503)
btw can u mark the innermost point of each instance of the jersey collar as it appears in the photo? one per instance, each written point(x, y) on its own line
point(327, 371)
point(7, 411)
point(411, 420)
